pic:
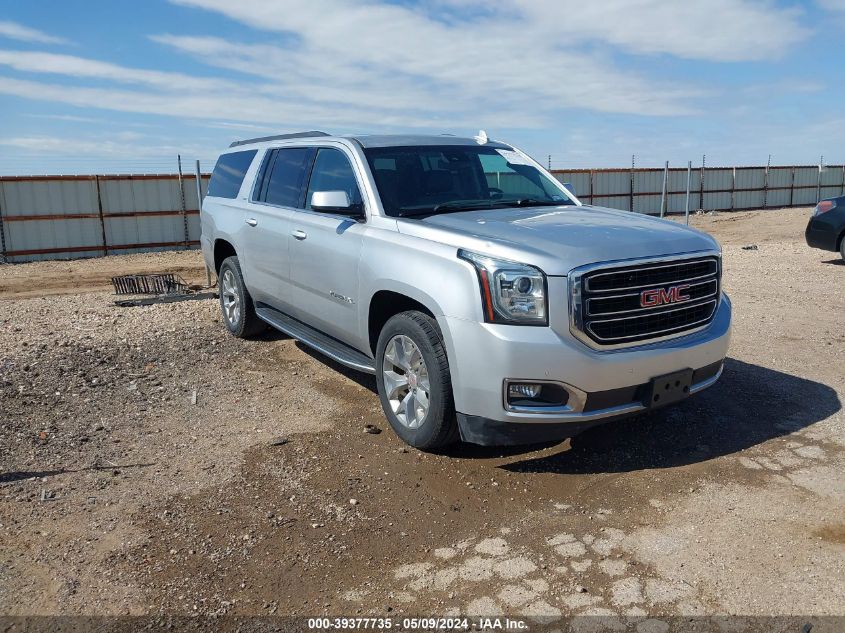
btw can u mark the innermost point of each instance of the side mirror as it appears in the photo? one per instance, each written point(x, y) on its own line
point(330, 201)
point(570, 188)
point(336, 202)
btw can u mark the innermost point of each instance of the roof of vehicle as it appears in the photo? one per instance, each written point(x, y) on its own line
point(376, 140)
point(399, 140)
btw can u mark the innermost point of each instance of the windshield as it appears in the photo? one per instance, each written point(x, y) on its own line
point(429, 179)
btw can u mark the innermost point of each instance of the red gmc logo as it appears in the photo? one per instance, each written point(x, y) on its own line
point(659, 296)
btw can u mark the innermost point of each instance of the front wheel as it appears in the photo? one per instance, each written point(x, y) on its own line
point(414, 383)
point(842, 248)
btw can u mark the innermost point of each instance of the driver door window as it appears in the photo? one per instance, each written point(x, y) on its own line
point(332, 172)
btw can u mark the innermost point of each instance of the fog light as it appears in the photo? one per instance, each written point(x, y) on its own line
point(524, 390)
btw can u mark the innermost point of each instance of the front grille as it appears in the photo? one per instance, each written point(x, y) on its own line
point(622, 305)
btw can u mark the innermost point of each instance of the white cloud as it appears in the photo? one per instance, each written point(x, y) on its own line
point(713, 30)
point(72, 66)
point(710, 30)
point(385, 54)
point(130, 146)
point(15, 31)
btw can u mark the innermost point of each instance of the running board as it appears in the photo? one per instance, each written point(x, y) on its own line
point(323, 343)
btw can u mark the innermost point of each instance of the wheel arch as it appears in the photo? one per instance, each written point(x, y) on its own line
point(387, 303)
point(222, 249)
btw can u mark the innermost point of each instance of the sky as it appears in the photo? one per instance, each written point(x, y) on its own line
point(120, 86)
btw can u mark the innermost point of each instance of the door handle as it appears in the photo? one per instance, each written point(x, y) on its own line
point(252, 221)
point(299, 234)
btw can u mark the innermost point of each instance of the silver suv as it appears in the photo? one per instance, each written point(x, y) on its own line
point(489, 303)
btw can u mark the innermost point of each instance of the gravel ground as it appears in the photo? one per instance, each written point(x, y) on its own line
point(152, 464)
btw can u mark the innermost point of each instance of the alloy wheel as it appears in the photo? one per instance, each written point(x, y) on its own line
point(406, 381)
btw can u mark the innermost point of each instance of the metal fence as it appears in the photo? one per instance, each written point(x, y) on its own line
point(711, 188)
point(63, 217)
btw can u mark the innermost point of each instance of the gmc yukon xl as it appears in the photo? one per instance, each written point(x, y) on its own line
point(491, 305)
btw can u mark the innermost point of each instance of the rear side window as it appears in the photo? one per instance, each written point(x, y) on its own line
point(229, 172)
point(289, 168)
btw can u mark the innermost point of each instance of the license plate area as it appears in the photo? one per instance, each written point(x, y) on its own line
point(667, 389)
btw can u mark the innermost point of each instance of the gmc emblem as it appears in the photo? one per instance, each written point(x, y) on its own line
point(660, 296)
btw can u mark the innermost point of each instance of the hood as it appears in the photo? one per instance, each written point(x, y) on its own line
point(558, 239)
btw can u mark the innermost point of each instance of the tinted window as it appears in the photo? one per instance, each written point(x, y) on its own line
point(229, 173)
point(332, 172)
point(287, 175)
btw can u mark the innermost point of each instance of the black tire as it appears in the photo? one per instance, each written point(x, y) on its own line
point(842, 248)
point(439, 426)
point(243, 322)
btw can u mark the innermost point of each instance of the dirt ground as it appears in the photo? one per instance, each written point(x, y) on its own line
point(152, 464)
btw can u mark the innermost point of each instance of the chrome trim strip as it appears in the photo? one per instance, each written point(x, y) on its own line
point(688, 302)
point(577, 398)
point(691, 261)
point(701, 386)
point(580, 416)
point(575, 303)
point(657, 332)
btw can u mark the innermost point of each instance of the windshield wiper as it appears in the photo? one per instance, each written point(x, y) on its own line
point(465, 205)
point(534, 202)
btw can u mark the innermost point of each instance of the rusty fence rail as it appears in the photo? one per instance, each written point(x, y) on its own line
point(63, 217)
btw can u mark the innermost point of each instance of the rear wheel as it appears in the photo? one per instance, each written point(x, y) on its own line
point(414, 383)
point(236, 303)
point(842, 248)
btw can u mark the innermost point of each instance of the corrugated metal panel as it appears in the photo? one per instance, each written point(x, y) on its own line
point(832, 182)
point(27, 204)
point(780, 184)
point(751, 178)
point(647, 187)
point(806, 180)
point(677, 186)
point(580, 181)
point(717, 188)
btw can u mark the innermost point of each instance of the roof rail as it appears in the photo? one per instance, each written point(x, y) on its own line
point(278, 137)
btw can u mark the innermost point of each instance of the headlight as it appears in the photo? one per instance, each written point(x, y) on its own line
point(510, 292)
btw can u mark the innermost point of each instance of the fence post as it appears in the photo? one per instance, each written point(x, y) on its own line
point(689, 179)
point(701, 189)
point(766, 182)
point(733, 189)
point(182, 198)
point(792, 186)
point(2, 230)
point(843, 180)
point(819, 181)
point(633, 159)
point(198, 175)
point(591, 187)
point(663, 191)
point(102, 218)
point(199, 186)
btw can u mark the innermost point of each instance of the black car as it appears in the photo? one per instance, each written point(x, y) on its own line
point(826, 229)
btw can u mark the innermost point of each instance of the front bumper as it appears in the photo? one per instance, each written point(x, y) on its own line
point(478, 430)
point(821, 231)
point(483, 356)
